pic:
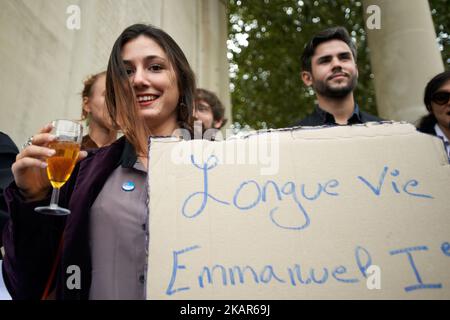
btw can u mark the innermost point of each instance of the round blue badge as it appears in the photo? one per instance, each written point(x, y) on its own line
point(128, 186)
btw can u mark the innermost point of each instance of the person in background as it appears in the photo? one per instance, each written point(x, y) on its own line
point(437, 101)
point(329, 67)
point(8, 153)
point(150, 91)
point(100, 129)
point(209, 109)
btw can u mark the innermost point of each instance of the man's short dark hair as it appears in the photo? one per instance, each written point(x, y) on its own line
point(336, 33)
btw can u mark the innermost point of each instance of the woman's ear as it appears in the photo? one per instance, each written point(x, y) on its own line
point(86, 106)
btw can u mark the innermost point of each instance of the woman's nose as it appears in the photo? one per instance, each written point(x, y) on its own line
point(140, 79)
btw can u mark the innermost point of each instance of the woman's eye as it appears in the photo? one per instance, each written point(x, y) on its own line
point(129, 71)
point(155, 67)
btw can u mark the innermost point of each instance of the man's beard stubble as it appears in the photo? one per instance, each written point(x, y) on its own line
point(322, 88)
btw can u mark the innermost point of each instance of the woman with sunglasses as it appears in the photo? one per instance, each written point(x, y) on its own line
point(437, 101)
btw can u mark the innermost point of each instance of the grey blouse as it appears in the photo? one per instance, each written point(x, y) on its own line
point(118, 236)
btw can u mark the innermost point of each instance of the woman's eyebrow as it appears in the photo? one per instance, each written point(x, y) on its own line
point(147, 58)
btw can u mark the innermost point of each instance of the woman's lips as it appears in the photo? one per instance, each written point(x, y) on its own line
point(145, 100)
point(145, 103)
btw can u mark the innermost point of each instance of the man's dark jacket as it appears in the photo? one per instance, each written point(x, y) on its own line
point(319, 117)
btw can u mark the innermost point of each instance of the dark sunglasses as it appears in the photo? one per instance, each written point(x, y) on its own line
point(440, 97)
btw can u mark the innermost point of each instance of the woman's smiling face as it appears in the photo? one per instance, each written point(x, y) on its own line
point(155, 83)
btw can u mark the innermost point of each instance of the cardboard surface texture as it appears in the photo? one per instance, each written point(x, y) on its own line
point(360, 212)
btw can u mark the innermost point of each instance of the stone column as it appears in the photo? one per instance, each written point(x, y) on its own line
point(212, 59)
point(404, 56)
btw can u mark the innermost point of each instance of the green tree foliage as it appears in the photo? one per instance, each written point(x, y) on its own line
point(440, 12)
point(266, 39)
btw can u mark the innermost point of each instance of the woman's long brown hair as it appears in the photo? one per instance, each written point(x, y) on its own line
point(120, 96)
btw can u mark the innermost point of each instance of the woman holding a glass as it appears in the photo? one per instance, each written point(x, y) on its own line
point(150, 90)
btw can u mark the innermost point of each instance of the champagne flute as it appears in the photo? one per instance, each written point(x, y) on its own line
point(60, 166)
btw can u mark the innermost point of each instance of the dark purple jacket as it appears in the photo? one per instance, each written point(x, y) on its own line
point(31, 239)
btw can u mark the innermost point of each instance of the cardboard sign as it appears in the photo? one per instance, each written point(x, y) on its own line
point(360, 212)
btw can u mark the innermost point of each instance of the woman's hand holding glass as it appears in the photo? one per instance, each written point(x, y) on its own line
point(29, 170)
